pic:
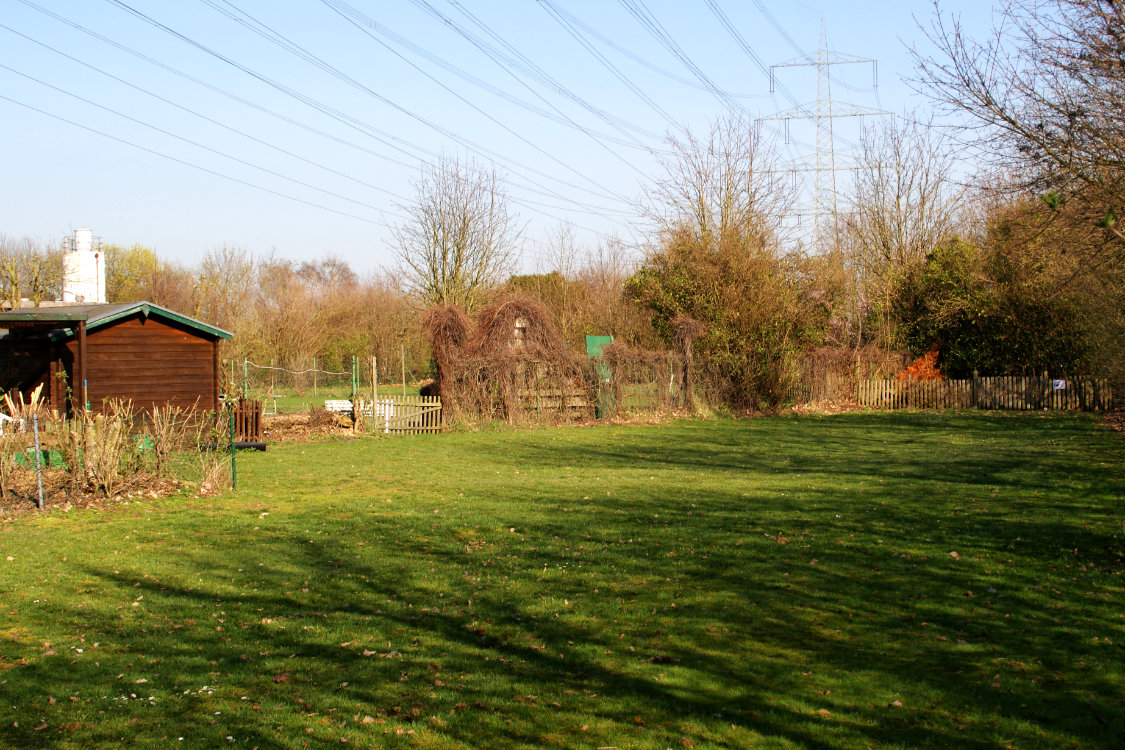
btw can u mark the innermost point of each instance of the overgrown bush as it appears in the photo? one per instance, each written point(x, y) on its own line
point(755, 319)
point(991, 309)
point(512, 364)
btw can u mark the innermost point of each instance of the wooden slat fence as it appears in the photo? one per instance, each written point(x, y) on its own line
point(553, 399)
point(405, 415)
point(1010, 392)
point(248, 421)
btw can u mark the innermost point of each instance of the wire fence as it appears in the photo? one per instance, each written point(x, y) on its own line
point(289, 389)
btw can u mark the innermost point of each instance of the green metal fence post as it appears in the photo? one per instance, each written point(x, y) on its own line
point(233, 454)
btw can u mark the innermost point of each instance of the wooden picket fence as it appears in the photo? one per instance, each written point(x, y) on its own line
point(1010, 392)
point(248, 420)
point(404, 415)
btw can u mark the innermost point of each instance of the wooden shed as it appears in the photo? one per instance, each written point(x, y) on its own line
point(86, 354)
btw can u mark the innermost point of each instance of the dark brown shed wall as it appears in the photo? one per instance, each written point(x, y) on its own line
point(148, 361)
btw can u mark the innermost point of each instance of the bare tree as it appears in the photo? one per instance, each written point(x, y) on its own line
point(605, 307)
point(461, 239)
point(28, 270)
point(1046, 91)
point(289, 320)
point(225, 275)
point(904, 199)
point(328, 275)
point(904, 202)
point(725, 187)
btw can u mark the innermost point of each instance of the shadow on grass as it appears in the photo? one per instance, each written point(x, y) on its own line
point(798, 597)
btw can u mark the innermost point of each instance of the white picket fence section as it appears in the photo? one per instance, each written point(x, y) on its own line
point(403, 415)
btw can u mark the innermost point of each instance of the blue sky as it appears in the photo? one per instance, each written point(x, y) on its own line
point(298, 127)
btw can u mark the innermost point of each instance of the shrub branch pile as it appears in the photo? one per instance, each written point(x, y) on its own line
point(512, 364)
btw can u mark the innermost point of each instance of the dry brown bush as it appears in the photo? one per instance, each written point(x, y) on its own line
point(685, 331)
point(449, 329)
point(108, 439)
point(512, 365)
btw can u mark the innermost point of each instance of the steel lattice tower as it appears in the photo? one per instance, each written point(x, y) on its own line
point(821, 114)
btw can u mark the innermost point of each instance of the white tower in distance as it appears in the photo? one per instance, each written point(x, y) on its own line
point(83, 268)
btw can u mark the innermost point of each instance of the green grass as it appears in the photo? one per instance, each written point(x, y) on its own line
point(862, 580)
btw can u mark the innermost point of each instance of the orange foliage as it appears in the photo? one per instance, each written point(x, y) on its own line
point(923, 368)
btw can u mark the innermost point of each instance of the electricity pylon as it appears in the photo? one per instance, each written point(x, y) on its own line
point(822, 113)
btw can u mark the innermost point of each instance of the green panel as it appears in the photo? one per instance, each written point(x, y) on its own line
point(49, 459)
point(595, 344)
point(594, 347)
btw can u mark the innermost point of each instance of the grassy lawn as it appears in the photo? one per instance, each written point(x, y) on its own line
point(861, 580)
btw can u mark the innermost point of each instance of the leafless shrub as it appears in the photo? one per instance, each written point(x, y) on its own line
point(168, 429)
point(321, 418)
point(108, 439)
point(16, 435)
point(70, 439)
point(11, 444)
point(211, 440)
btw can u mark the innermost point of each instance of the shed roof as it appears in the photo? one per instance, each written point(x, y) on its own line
point(97, 315)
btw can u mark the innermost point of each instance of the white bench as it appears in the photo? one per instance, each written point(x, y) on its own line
point(338, 406)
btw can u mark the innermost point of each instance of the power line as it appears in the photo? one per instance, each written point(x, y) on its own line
point(530, 68)
point(777, 26)
point(193, 112)
point(188, 141)
point(648, 21)
point(570, 29)
point(726, 23)
point(363, 28)
point(401, 41)
point(507, 65)
point(192, 165)
point(384, 138)
point(288, 90)
point(532, 205)
point(614, 45)
point(285, 43)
